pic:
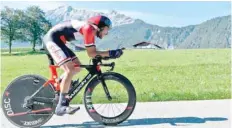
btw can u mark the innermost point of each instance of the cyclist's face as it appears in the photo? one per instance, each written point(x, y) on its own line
point(104, 32)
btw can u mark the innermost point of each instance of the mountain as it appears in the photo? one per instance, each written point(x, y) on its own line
point(63, 13)
point(214, 33)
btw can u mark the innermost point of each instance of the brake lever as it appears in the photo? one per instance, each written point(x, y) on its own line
point(112, 67)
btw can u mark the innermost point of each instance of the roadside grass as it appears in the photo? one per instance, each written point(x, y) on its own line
point(157, 75)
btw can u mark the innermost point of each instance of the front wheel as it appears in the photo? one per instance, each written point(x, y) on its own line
point(117, 108)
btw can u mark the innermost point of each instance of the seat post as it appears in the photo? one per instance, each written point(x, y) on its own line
point(53, 72)
point(54, 76)
point(50, 59)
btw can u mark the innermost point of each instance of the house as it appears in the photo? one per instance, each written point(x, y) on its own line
point(76, 47)
point(79, 48)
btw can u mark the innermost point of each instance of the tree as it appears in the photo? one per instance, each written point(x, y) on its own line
point(11, 25)
point(36, 25)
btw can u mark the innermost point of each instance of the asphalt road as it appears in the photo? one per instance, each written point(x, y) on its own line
point(176, 114)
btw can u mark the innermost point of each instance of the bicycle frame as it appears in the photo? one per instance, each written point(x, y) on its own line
point(77, 88)
point(92, 72)
point(54, 81)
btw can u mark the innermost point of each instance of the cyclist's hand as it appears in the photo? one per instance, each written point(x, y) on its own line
point(115, 53)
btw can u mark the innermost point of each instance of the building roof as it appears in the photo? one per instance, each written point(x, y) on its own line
point(79, 46)
point(146, 44)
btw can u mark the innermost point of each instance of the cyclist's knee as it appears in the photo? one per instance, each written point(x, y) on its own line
point(77, 65)
point(70, 72)
point(69, 68)
point(77, 68)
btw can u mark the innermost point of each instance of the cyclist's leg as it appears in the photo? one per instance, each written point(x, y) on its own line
point(63, 57)
point(70, 70)
point(76, 63)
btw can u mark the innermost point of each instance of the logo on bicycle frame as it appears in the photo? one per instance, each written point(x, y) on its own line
point(80, 85)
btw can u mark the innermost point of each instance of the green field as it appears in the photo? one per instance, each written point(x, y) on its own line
point(157, 75)
point(15, 50)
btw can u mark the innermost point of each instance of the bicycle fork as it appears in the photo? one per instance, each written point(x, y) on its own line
point(105, 89)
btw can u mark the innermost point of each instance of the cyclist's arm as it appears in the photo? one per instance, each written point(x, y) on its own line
point(92, 52)
point(89, 41)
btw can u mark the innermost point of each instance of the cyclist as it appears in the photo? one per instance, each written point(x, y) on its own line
point(55, 43)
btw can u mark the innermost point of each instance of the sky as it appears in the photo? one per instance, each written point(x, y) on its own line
point(174, 14)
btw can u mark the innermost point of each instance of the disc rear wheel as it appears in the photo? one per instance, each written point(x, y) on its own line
point(28, 113)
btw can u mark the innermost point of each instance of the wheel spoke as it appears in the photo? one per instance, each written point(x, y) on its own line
point(109, 110)
point(118, 108)
point(112, 109)
point(99, 106)
point(104, 108)
point(121, 105)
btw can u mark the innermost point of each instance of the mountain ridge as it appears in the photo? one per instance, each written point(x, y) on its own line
point(127, 31)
